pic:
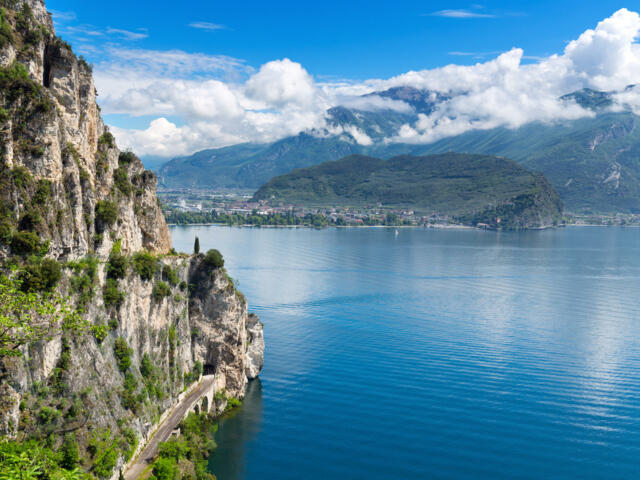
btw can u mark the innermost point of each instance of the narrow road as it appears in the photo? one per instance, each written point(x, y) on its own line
point(163, 432)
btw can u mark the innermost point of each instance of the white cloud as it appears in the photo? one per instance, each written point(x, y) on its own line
point(461, 14)
point(126, 34)
point(504, 92)
point(280, 83)
point(59, 16)
point(221, 100)
point(358, 135)
point(207, 26)
point(374, 103)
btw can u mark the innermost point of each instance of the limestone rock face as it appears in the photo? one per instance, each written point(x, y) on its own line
point(255, 349)
point(172, 322)
point(220, 339)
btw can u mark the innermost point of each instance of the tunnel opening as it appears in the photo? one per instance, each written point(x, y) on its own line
point(209, 369)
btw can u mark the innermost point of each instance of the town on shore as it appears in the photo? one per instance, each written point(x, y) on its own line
point(203, 207)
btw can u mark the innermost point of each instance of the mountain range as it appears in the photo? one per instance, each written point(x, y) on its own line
point(593, 162)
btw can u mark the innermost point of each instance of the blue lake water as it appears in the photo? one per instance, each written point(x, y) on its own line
point(436, 353)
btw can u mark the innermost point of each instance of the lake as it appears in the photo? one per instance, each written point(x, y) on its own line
point(436, 353)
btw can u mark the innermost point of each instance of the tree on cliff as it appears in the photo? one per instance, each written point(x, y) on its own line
point(196, 246)
point(27, 317)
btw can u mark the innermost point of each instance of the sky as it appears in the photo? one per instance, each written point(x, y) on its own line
point(173, 80)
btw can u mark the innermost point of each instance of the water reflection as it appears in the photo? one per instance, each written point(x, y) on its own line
point(235, 432)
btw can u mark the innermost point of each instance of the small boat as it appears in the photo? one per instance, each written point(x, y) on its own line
point(397, 232)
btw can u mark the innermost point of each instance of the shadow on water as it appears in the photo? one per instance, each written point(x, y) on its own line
point(235, 431)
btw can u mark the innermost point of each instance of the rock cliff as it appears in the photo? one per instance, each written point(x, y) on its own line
point(81, 219)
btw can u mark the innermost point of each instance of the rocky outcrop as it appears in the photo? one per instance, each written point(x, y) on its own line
point(155, 320)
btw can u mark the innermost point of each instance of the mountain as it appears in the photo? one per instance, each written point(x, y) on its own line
point(594, 163)
point(103, 325)
point(473, 188)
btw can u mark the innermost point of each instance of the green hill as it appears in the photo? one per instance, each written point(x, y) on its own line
point(472, 188)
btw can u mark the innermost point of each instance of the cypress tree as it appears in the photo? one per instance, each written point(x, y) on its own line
point(196, 246)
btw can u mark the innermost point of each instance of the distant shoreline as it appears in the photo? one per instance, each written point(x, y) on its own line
point(433, 227)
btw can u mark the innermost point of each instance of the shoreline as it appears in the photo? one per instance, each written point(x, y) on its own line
point(426, 227)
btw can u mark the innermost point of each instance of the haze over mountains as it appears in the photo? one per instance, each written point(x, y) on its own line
point(594, 161)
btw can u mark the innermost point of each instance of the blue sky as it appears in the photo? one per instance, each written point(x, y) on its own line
point(174, 80)
point(353, 39)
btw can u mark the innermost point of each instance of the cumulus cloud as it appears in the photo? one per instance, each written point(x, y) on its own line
point(505, 92)
point(221, 100)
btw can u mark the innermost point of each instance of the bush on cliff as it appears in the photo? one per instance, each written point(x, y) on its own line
point(145, 265)
point(117, 265)
point(28, 243)
point(170, 275)
point(40, 277)
point(160, 291)
point(106, 214)
point(213, 259)
point(123, 352)
point(111, 295)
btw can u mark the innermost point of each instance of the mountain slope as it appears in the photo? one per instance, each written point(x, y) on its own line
point(474, 188)
point(592, 162)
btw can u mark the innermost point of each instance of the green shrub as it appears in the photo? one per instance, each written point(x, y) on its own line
point(170, 275)
point(107, 139)
point(27, 243)
point(160, 291)
point(106, 462)
point(121, 181)
point(70, 456)
point(111, 295)
point(99, 332)
point(117, 265)
point(232, 403)
point(146, 366)
point(123, 353)
point(132, 441)
point(145, 265)
point(88, 66)
point(21, 176)
point(106, 213)
point(213, 259)
point(43, 192)
point(83, 281)
point(129, 398)
point(6, 32)
point(6, 230)
point(126, 158)
point(40, 277)
point(164, 469)
point(48, 415)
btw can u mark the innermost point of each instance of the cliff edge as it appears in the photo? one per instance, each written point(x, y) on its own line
point(80, 222)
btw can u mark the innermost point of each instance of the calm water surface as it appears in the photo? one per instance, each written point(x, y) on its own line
point(436, 354)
